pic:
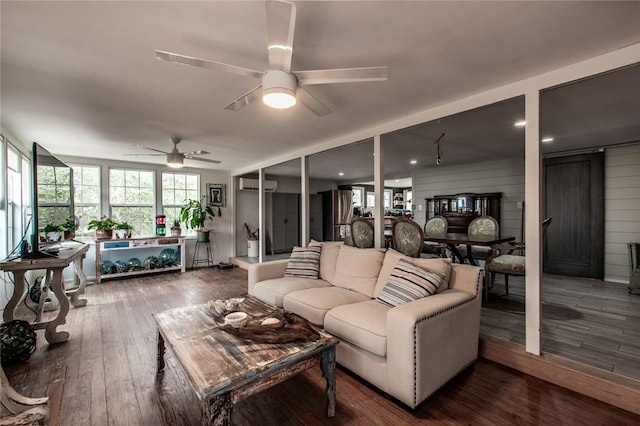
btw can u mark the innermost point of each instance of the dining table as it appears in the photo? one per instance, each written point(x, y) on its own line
point(453, 239)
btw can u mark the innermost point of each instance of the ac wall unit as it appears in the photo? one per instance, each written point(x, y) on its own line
point(254, 185)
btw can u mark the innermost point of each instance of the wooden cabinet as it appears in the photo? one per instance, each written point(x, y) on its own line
point(138, 248)
point(461, 209)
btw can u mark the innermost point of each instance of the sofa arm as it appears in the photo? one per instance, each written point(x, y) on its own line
point(466, 278)
point(429, 341)
point(265, 271)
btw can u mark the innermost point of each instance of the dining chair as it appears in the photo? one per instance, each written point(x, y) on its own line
point(407, 237)
point(503, 261)
point(362, 233)
point(480, 226)
point(435, 226)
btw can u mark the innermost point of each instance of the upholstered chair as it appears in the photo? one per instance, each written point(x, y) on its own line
point(481, 226)
point(435, 226)
point(362, 233)
point(634, 268)
point(504, 260)
point(407, 237)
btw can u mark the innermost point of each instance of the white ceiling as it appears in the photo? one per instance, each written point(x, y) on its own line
point(81, 78)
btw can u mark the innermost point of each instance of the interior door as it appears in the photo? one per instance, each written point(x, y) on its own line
point(574, 197)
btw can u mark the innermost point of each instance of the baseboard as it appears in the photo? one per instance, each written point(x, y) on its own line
point(619, 391)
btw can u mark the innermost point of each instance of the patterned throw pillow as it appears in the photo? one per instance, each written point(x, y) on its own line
point(304, 262)
point(409, 282)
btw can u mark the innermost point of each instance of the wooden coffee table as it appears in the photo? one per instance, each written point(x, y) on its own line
point(224, 369)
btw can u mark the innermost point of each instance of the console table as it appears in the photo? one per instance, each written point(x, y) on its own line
point(54, 265)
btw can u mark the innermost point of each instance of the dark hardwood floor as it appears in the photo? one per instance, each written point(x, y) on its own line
point(586, 320)
point(105, 374)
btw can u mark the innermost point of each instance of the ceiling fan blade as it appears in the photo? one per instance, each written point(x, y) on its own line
point(342, 75)
point(244, 100)
point(281, 22)
point(150, 149)
point(146, 155)
point(198, 152)
point(205, 63)
point(312, 103)
point(189, 157)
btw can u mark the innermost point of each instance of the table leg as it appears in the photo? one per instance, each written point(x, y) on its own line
point(81, 281)
point(217, 411)
point(16, 298)
point(455, 252)
point(50, 333)
point(328, 366)
point(160, 353)
point(472, 261)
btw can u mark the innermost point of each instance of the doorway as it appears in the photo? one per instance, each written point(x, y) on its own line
point(574, 197)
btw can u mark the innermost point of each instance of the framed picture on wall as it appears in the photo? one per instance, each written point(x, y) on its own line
point(217, 194)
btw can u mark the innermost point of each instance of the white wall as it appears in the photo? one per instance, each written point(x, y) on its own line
point(506, 176)
point(622, 209)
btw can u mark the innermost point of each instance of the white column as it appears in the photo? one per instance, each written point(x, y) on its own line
point(533, 219)
point(261, 215)
point(378, 181)
point(304, 202)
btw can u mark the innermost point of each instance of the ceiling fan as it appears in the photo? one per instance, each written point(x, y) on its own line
point(280, 87)
point(176, 158)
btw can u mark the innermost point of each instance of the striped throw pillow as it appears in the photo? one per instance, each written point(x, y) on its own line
point(409, 282)
point(304, 262)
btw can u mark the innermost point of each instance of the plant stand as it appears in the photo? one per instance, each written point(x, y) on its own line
point(200, 257)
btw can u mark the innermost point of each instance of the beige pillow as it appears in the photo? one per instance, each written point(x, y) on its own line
point(328, 259)
point(439, 265)
point(357, 269)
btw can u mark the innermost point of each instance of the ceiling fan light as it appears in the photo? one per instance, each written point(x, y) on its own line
point(175, 161)
point(279, 89)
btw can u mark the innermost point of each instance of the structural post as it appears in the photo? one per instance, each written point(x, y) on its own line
point(533, 225)
point(304, 201)
point(261, 215)
point(378, 181)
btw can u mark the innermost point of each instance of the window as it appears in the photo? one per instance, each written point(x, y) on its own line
point(177, 188)
point(18, 192)
point(131, 199)
point(371, 199)
point(86, 195)
point(54, 194)
point(358, 196)
point(388, 196)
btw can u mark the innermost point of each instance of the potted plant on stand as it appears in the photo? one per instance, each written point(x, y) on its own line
point(123, 230)
point(69, 227)
point(176, 229)
point(52, 232)
point(253, 238)
point(103, 226)
point(194, 214)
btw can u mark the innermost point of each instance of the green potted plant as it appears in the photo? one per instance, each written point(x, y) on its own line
point(194, 214)
point(52, 232)
point(69, 227)
point(123, 229)
point(176, 228)
point(103, 226)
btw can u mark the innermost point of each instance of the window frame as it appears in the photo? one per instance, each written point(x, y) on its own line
point(137, 231)
point(185, 232)
point(81, 205)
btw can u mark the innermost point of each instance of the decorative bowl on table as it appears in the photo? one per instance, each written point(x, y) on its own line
point(236, 319)
point(225, 306)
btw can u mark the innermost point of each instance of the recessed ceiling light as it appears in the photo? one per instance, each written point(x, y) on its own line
point(520, 123)
point(547, 139)
point(413, 162)
point(341, 174)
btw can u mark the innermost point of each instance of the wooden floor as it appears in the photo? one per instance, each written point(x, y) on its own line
point(585, 320)
point(105, 374)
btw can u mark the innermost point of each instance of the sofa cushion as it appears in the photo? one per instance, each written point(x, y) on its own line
point(314, 303)
point(328, 259)
point(409, 282)
point(273, 291)
point(304, 262)
point(357, 269)
point(362, 324)
point(391, 258)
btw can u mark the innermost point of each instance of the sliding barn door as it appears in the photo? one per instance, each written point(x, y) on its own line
point(574, 197)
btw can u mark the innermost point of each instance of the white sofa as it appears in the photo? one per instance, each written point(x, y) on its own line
point(408, 351)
